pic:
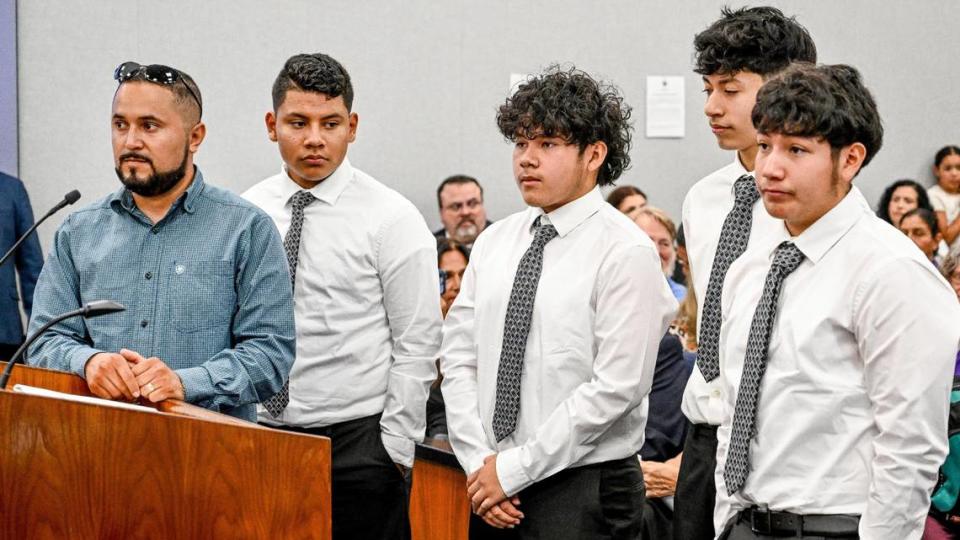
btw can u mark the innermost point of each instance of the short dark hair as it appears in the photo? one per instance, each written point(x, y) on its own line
point(315, 72)
point(883, 210)
point(927, 216)
point(760, 40)
point(456, 180)
point(949, 150)
point(447, 244)
point(618, 195)
point(570, 104)
point(826, 101)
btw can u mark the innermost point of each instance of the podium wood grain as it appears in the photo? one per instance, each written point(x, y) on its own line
point(439, 509)
point(74, 470)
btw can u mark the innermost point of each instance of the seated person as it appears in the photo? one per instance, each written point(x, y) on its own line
point(627, 199)
point(461, 209)
point(921, 226)
point(452, 258)
point(899, 198)
point(945, 195)
point(661, 229)
point(951, 270)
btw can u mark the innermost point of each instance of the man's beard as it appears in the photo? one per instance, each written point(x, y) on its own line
point(157, 183)
point(466, 232)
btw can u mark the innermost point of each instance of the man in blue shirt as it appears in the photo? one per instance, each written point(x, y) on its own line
point(16, 217)
point(202, 272)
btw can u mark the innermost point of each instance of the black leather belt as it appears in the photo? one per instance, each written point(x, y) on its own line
point(764, 521)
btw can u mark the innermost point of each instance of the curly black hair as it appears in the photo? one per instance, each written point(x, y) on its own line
point(315, 72)
point(828, 101)
point(760, 40)
point(883, 209)
point(570, 104)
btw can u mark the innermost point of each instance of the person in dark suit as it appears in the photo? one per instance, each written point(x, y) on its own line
point(461, 209)
point(16, 216)
point(664, 436)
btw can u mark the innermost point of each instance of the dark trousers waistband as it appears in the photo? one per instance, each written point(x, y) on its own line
point(333, 429)
point(763, 521)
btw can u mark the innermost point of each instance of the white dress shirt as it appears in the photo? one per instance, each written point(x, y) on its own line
point(704, 209)
point(601, 307)
point(852, 413)
point(366, 305)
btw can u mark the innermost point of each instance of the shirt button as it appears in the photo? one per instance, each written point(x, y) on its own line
point(148, 275)
point(155, 230)
point(143, 323)
point(715, 393)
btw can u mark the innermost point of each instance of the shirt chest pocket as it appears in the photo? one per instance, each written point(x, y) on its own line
point(201, 295)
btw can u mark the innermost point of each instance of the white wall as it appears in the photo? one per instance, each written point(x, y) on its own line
point(428, 76)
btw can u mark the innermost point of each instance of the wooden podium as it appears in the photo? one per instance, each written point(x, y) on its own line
point(78, 470)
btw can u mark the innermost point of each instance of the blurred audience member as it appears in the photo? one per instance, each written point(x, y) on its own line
point(660, 228)
point(452, 258)
point(682, 268)
point(627, 199)
point(899, 198)
point(921, 226)
point(945, 196)
point(951, 270)
point(461, 209)
point(16, 216)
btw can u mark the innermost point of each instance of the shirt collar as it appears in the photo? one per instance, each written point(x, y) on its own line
point(329, 190)
point(569, 216)
point(738, 170)
point(824, 233)
point(124, 197)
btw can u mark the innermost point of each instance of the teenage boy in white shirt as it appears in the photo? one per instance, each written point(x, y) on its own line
point(549, 349)
point(839, 337)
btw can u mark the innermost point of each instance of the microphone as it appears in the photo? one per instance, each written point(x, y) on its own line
point(88, 311)
point(69, 198)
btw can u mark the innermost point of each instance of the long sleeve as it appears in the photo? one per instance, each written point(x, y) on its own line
point(458, 362)
point(634, 306)
point(257, 366)
point(66, 345)
point(29, 254)
point(908, 343)
point(407, 262)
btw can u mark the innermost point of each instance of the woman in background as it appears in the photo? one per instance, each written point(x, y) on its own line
point(899, 198)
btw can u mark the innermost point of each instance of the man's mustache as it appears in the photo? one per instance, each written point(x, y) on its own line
point(134, 155)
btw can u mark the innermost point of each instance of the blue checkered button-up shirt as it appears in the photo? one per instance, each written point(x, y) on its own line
point(207, 291)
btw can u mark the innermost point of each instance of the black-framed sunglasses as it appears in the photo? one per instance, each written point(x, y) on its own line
point(155, 73)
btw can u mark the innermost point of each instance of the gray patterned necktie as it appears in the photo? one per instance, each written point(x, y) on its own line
point(291, 244)
point(734, 237)
point(786, 259)
point(516, 327)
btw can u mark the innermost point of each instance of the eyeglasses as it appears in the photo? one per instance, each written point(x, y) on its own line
point(472, 204)
point(155, 73)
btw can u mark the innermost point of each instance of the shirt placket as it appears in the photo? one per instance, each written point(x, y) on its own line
point(149, 263)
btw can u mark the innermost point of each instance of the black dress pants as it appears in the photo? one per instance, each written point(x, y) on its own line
point(370, 496)
point(696, 489)
point(597, 501)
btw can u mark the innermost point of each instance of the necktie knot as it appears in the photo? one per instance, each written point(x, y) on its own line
point(745, 191)
point(545, 232)
point(302, 199)
point(787, 257)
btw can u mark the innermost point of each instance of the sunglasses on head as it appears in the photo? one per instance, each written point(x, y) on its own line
point(155, 73)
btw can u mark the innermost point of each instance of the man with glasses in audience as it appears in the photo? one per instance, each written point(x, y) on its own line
point(461, 209)
point(209, 316)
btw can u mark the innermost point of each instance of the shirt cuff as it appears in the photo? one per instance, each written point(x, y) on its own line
point(196, 384)
point(400, 449)
point(79, 358)
point(510, 473)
